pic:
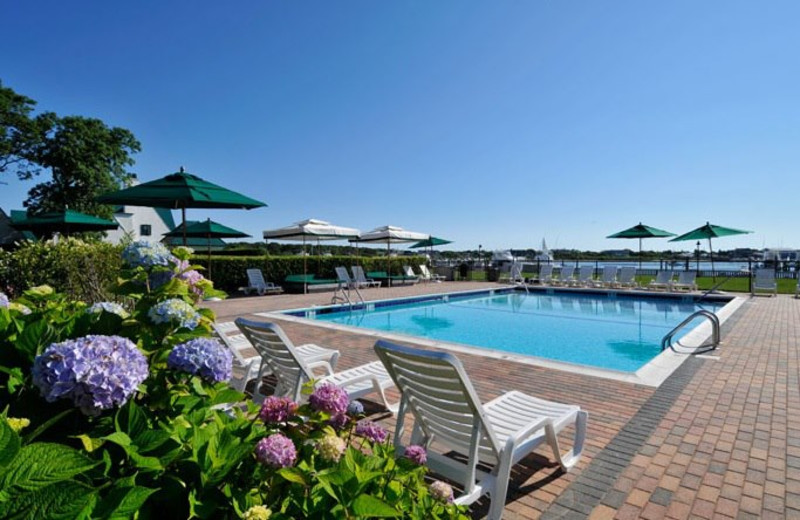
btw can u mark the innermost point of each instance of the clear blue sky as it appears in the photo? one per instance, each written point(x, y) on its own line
point(492, 123)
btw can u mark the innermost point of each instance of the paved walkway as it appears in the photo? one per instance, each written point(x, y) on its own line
point(716, 440)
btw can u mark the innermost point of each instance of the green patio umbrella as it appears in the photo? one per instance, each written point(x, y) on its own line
point(180, 190)
point(429, 243)
point(641, 231)
point(709, 231)
point(64, 222)
point(208, 230)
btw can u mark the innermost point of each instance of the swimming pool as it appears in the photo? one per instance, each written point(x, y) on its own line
point(609, 331)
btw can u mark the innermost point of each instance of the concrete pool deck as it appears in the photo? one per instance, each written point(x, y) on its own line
point(716, 440)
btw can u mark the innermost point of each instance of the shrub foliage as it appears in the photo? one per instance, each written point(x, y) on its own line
point(127, 414)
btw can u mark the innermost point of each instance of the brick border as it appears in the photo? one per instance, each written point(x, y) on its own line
point(594, 486)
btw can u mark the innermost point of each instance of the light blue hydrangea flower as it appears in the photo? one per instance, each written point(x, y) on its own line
point(205, 357)
point(174, 311)
point(4, 300)
point(111, 307)
point(96, 372)
point(145, 254)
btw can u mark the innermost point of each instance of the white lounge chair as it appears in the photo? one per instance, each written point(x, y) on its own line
point(343, 277)
point(361, 278)
point(449, 416)
point(662, 280)
point(585, 276)
point(250, 366)
point(764, 280)
point(607, 278)
point(292, 371)
point(515, 274)
point(256, 282)
point(565, 277)
point(626, 278)
point(686, 281)
point(410, 275)
point(545, 275)
point(427, 276)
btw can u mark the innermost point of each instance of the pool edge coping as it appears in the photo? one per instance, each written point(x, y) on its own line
point(652, 374)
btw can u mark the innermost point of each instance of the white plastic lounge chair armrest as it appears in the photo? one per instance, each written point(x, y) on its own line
point(524, 433)
point(363, 377)
point(325, 365)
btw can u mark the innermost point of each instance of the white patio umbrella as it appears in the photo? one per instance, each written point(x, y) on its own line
point(391, 235)
point(311, 229)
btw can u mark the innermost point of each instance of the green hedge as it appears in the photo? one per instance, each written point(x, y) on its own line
point(230, 272)
point(82, 270)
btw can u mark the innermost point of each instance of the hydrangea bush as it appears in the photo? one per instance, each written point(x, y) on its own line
point(125, 410)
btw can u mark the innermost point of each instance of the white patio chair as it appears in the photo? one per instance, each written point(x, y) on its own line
point(607, 278)
point(686, 281)
point(565, 277)
point(585, 276)
point(292, 371)
point(361, 278)
point(252, 366)
point(448, 416)
point(662, 280)
point(409, 275)
point(764, 280)
point(344, 279)
point(545, 275)
point(256, 282)
point(626, 278)
point(515, 274)
point(427, 276)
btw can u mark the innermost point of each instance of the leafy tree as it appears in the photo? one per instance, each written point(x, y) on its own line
point(21, 135)
point(87, 158)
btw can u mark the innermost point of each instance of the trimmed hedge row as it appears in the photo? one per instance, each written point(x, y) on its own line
point(82, 270)
point(229, 272)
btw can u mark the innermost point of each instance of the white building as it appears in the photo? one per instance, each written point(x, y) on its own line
point(140, 223)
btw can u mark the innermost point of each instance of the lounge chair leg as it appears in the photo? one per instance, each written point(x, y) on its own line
point(499, 491)
point(569, 459)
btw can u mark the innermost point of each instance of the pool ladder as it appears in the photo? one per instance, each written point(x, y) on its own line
point(715, 336)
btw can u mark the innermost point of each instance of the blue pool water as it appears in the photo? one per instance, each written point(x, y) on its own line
point(618, 333)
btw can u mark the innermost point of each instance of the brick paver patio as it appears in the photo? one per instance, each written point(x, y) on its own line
point(716, 440)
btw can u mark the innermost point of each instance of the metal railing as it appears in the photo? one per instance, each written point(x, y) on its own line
point(666, 342)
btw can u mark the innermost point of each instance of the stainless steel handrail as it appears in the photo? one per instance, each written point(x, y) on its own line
point(715, 334)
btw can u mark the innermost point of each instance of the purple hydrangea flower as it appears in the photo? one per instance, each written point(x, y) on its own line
point(276, 451)
point(174, 310)
point(330, 398)
point(416, 454)
point(441, 491)
point(338, 421)
point(96, 372)
point(372, 431)
point(275, 410)
point(205, 357)
point(111, 307)
point(145, 254)
point(4, 300)
point(355, 408)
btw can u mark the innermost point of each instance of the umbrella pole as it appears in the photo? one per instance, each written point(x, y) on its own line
point(305, 268)
point(208, 243)
point(389, 260)
point(183, 222)
point(711, 255)
point(640, 253)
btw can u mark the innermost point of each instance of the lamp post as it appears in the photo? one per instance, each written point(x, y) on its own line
point(698, 258)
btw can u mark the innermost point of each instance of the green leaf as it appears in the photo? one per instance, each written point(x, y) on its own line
point(123, 502)
point(120, 439)
point(293, 475)
point(38, 465)
point(60, 500)
point(89, 444)
point(370, 507)
point(45, 425)
point(9, 444)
